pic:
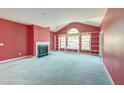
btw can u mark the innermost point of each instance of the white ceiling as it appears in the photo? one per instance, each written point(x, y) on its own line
point(55, 18)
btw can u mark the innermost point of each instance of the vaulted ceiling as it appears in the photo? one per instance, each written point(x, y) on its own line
point(55, 18)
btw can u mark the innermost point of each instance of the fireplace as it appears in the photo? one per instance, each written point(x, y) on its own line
point(42, 50)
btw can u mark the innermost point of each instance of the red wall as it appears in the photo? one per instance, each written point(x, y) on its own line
point(37, 33)
point(14, 36)
point(113, 27)
point(41, 33)
point(31, 40)
point(82, 28)
point(20, 38)
point(52, 40)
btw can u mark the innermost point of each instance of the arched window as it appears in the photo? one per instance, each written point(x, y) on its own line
point(73, 39)
point(73, 31)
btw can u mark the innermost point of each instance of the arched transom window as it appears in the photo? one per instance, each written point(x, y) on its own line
point(73, 31)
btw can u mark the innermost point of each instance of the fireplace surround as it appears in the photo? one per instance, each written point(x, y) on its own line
point(42, 49)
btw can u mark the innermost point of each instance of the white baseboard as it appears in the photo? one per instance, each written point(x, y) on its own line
point(17, 58)
point(108, 74)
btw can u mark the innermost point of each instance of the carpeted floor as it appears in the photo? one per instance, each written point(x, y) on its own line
point(59, 68)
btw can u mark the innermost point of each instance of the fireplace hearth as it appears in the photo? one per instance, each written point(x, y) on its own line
point(42, 50)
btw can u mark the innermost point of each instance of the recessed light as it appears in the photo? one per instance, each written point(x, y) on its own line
point(44, 13)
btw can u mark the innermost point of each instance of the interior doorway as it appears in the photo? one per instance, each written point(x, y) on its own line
point(101, 44)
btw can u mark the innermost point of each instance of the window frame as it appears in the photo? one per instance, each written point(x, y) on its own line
point(86, 41)
point(73, 34)
point(60, 41)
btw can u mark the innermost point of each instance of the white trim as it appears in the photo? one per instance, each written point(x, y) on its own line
point(17, 58)
point(108, 74)
point(55, 42)
point(79, 53)
point(59, 42)
point(72, 47)
point(89, 42)
point(101, 45)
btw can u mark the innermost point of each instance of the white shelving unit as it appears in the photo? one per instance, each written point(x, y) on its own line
point(94, 47)
point(94, 43)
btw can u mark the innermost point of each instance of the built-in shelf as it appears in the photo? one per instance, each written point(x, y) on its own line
point(94, 39)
